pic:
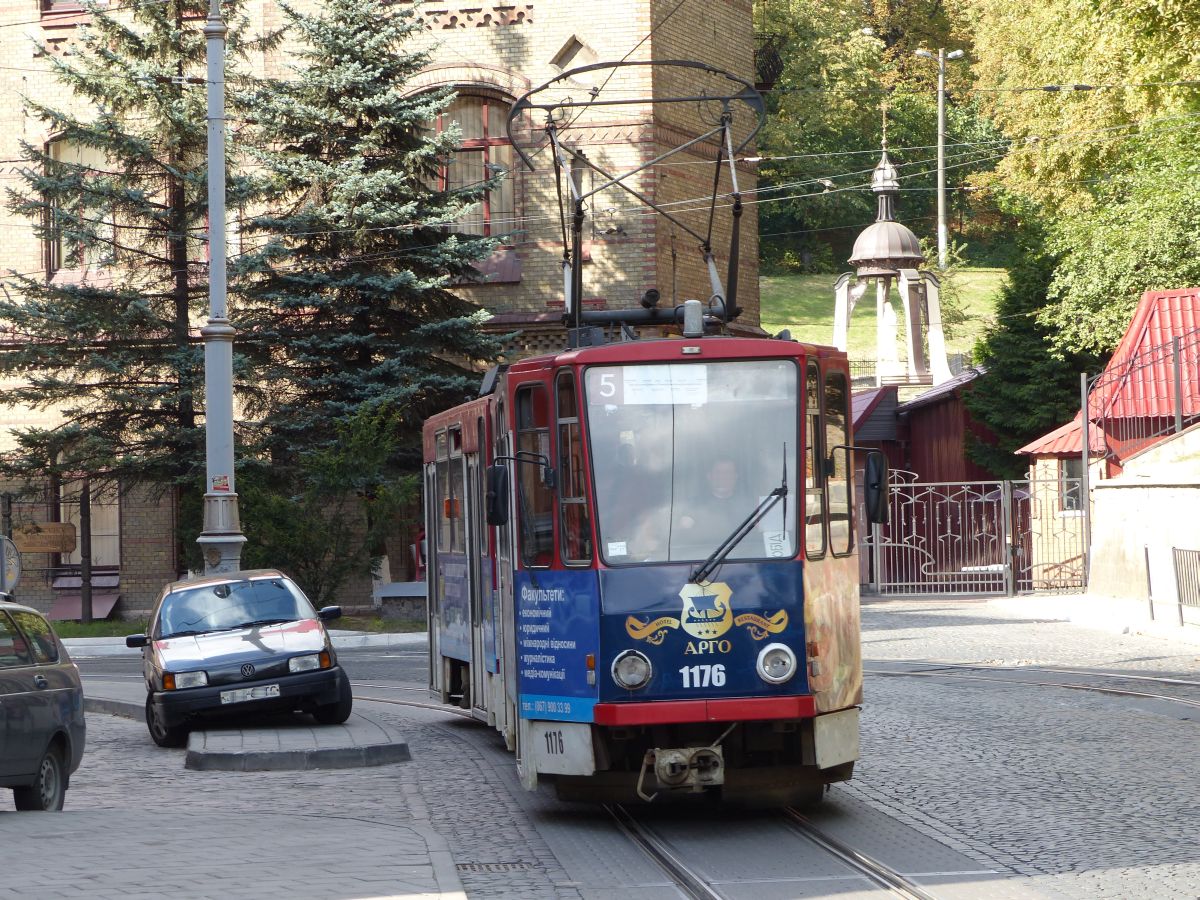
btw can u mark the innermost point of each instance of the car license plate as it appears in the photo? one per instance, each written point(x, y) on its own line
point(259, 692)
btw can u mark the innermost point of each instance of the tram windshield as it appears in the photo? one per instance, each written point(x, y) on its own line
point(683, 453)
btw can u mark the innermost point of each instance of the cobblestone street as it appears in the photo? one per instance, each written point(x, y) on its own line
point(1081, 794)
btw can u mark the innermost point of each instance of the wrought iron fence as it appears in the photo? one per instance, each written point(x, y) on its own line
point(982, 537)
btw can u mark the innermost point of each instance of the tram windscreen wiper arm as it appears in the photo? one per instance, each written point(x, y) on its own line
point(765, 505)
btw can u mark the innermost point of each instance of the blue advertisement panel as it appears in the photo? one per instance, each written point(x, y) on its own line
point(557, 627)
point(490, 609)
point(454, 605)
point(703, 641)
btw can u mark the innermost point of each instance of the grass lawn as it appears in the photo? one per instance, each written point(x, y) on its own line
point(121, 627)
point(804, 305)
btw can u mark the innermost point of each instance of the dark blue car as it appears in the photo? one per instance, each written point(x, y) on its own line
point(41, 710)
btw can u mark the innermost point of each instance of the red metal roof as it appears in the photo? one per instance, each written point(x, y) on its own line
point(863, 403)
point(1066, 440)
point(1138, 381)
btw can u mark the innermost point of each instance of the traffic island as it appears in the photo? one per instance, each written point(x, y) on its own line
point(280, 743)
point(359, 743)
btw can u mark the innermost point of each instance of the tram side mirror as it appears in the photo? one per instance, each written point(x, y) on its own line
point(497, 494)
point(875, 488)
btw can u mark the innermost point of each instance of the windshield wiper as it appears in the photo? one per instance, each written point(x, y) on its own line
point(257, 622)
point(175, 634)
point(765, 505)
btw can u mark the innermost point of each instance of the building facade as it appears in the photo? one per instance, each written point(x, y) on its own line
point(490, 55)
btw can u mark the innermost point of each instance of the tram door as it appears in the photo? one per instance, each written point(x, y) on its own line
point(479, 566)
point(505, 701)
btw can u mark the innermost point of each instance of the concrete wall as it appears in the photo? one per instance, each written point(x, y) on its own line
point(1138, 517)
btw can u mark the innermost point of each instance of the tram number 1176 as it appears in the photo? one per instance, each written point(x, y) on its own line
point(555, 746)
point(703, 676)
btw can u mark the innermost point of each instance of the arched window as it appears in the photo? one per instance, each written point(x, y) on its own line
point(484, 152)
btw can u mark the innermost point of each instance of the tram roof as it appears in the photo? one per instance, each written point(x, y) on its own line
point(671, 350)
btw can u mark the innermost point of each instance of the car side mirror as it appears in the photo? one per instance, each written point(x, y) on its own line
point(497, 495)
point(329, 613)
point(136, 640)
point(875, 488)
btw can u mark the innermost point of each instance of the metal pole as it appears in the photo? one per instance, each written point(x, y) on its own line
point(222, 538)
point(1010, 546)
point(6, 515)
point(85, 551)
point(1085, 480)
point(1176, 363)
point(941, 160)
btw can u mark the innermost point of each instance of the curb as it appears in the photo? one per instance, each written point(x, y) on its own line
point(297, 760)
point(92, 647)
point(123, 708)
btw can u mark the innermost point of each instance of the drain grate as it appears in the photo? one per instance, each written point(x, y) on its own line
point(484, 868)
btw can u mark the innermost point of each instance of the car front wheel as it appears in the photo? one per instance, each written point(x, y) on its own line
point(339, 712)
point(164, 735)
point(48, 790)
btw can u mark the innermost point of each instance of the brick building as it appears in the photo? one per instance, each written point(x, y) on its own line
point(491, 54)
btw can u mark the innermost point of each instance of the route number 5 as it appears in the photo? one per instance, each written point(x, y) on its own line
point(608, 385)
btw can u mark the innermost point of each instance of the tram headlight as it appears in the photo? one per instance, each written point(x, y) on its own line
point(632, 670)
point(776, 663)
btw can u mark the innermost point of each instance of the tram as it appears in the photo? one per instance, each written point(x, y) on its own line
point(642, 567)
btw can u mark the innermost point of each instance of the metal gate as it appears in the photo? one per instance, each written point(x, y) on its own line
point(975, 537)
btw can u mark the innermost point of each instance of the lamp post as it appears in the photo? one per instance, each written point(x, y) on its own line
point(941, 58)
point(221, 540)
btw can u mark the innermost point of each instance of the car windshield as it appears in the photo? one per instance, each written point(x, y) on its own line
point(232, 604)
point(685, 452)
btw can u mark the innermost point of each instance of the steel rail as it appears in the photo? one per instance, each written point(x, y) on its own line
point(1057, 684)
point(873, 870)
point(1093, 673)
point(436, 707)
point(686, 880)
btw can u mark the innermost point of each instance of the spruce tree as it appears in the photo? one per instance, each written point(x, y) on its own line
point(345, 305)
point(1028, 389)
point(345, 311)
point(108, 341)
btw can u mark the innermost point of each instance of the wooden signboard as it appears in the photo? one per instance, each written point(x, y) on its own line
point(45, 537)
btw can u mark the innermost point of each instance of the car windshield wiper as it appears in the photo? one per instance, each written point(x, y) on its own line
point(257, 622)
point(175, 634)
point(765, 505)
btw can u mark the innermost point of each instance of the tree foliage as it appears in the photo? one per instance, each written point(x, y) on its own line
point(107, 340)
point(1027, 390)
point(346, 316)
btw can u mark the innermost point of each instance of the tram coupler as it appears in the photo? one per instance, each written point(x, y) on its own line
point(690, 768)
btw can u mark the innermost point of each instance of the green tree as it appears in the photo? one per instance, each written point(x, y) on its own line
point(1027, 390)
point(345, 307)
point(822, 137)
point(120, 196)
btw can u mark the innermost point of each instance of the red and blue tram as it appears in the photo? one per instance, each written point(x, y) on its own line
point(643, 571)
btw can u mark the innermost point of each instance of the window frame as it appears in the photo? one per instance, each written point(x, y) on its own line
point(484, 146)
point(54, 253)
point(527, 467)
point(565, 470)
point(1065, 491)
point(814, 451)
point(848, 461)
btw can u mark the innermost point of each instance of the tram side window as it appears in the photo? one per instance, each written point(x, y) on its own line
point(814, 468)
point(444, 543)
point(454, 510)
point(535, 500)
point(837, 434)
point(573, 511)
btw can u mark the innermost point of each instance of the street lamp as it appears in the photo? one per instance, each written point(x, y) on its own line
point(941, 58)
point(221, 540)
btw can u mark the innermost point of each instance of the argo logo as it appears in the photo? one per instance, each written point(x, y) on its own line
point(707, 615)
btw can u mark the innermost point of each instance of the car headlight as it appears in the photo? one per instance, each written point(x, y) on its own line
point(632, 670)
point(776, 663)
point(177, 681)
point(309, 662)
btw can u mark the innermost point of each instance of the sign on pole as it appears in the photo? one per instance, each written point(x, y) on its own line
point(10, 566)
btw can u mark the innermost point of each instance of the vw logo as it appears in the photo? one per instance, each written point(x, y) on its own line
point(247, 670)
